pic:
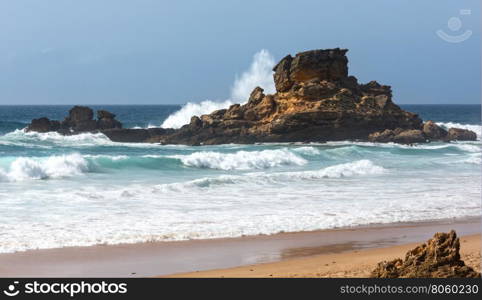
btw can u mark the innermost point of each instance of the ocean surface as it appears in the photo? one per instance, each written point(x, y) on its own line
point(81, 190)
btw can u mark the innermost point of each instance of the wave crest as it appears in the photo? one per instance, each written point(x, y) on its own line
point(24, 168)
point(241, 160)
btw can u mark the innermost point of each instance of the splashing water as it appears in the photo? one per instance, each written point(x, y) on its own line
point(259, 74)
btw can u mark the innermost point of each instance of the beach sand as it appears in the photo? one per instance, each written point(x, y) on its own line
point(358, 263)
point(351, 252)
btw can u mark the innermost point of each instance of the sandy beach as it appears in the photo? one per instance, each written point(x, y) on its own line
point(358, 263)
point(347, 252)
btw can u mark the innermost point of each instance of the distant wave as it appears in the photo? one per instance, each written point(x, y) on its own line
point(24, 168)
point(241, 160)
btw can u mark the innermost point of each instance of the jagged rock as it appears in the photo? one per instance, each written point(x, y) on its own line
point(457, 134)
point(80, 114)
point(106, 120)
point(43, 125)
point(80, 119)
point(439, 257)
point(433, 131)
point(399, 136)
point(256, 96)
point(330, 64)
point(384, 136)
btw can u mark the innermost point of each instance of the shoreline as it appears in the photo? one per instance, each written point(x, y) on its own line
point(177, 257)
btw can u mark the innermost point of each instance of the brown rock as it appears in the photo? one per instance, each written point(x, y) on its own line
point(410, 137)
point(330, 64)
point(382, 136)
point(433, 131)
point(439, 257)
point(281, 74)
point(458, 134)
point(256, 96)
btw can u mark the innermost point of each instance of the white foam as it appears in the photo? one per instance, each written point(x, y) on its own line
point(24, 168)
point(259, 74)
point(360, 167)
point(48, 140)
point(307, 150)
point(183, 116)
point(80, 214)
point(241, 160)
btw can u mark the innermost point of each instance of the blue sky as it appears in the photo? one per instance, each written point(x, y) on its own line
point(169, 52)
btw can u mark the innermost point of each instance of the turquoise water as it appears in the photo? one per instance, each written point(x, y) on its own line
point(58, 191)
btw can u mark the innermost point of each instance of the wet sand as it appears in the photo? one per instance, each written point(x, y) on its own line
point(164, 258)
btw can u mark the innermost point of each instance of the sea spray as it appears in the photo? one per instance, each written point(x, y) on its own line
point(259, 74)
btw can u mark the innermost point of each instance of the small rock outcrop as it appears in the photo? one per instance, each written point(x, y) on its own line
point(316, 100)
point(457, 134)
point(439, 257)
point(428, 132)
point(79, 120)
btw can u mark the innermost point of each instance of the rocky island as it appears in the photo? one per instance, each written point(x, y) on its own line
point(315, 101)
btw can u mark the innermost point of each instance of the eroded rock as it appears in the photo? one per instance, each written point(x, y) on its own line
point(439, 257)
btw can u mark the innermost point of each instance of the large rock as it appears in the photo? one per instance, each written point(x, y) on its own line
point(316, 101)
point(331, 64)
point(457, 134)
point(439, 257)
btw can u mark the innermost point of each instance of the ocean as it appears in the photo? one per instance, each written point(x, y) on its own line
point(58, 191)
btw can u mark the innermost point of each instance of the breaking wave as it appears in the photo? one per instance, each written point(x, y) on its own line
point(52, 167)
point(241, 160)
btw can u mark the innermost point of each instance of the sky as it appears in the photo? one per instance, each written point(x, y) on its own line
point(173, 52)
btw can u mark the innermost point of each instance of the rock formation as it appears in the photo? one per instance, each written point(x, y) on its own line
point(79, 120)
point(315, 101)
point(438, 257)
